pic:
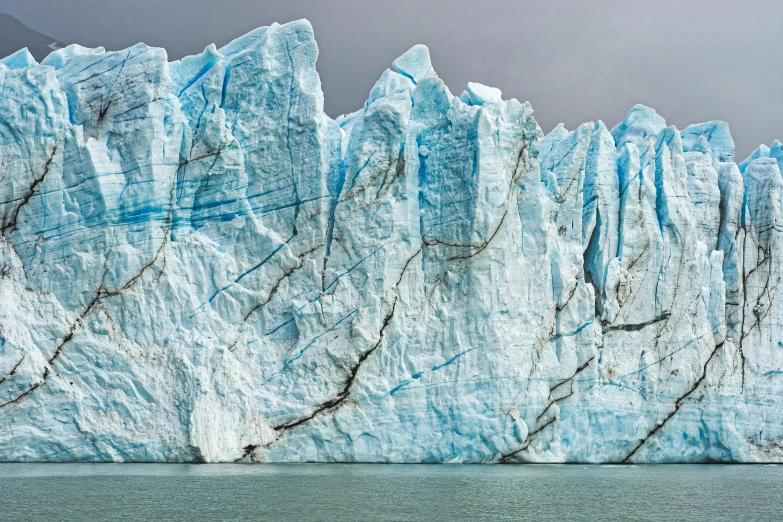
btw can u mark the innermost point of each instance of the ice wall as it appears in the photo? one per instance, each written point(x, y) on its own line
point(199, 265)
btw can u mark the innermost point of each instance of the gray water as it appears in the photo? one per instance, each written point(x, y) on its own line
point(389, 492)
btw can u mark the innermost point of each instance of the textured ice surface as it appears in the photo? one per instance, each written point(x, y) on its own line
point(199, 265)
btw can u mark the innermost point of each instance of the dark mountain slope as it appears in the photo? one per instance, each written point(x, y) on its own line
point(14, 35)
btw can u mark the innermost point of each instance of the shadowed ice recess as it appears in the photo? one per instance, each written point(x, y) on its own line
point(199, 265)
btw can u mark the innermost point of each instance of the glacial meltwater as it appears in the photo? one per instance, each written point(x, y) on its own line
point(390, 492)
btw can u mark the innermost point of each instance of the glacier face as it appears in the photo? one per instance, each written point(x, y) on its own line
point(199, 265)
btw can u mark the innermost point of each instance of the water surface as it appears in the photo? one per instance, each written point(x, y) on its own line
point(389, 492)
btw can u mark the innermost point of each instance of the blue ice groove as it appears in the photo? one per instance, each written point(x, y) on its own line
point(288, 362)
point(417, 376)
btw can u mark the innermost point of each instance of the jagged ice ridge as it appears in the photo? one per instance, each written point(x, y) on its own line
point(199, 265)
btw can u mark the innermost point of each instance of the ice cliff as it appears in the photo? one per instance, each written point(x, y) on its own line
point(199, 265)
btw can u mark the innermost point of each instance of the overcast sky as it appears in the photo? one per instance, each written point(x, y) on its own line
point(693, 60)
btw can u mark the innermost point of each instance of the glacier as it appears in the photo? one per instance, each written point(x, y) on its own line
point(199, 265)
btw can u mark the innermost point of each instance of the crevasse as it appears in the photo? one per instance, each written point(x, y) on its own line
point(199, 265)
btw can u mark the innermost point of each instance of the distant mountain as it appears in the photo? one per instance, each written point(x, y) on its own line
point(14, 35)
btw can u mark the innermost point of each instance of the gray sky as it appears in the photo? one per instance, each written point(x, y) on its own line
point(693, 60)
